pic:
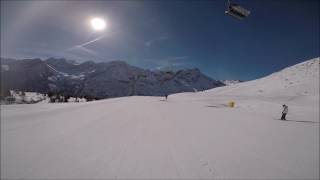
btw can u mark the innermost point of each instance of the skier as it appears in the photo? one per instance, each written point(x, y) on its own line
point(166, 95)
point(284, 112)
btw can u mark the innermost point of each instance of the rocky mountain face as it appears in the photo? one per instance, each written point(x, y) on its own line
point(101, 80)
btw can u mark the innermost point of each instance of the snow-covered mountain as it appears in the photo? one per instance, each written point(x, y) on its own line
point(101, 80)
point(231, 82)
point(297, 80)
point(25, 98)
point(192, 135)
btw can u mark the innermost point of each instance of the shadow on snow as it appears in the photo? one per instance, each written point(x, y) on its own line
point(297, 121)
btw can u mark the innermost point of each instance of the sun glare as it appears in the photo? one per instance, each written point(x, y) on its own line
point(98, 24)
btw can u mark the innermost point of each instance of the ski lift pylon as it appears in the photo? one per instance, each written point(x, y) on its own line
point(236, 11)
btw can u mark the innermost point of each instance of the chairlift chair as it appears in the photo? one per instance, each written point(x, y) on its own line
point(236, 11)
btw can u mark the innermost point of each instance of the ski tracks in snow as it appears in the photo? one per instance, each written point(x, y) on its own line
point(144, 138)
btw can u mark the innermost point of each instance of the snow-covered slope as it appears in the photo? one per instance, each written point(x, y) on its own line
point(190, 136)
point(300, 79)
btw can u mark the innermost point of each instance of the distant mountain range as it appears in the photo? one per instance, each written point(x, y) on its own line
point(101, 80)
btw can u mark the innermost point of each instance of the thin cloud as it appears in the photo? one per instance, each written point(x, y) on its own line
point(171, 62)
point(155, 40)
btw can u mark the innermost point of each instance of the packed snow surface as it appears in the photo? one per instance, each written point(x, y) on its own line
point(190, 136)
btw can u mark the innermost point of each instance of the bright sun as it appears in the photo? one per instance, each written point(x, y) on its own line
point(98, 24)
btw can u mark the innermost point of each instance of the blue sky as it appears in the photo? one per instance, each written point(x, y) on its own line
point(166, 34)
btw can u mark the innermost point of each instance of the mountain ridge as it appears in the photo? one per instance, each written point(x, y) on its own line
point(101, 80)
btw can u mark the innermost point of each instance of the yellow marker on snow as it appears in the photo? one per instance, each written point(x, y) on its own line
point(231, 104)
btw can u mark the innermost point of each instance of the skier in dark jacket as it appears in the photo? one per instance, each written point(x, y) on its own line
point(284, 112)
point(166, 96)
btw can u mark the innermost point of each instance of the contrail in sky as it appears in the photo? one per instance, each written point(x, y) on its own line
point(89, 42)
point(86, 43)
point(83, 48)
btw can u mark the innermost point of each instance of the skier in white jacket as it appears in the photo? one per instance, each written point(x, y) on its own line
point(284, 112)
